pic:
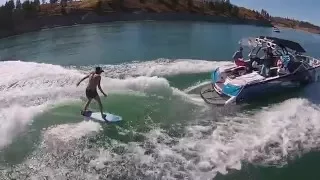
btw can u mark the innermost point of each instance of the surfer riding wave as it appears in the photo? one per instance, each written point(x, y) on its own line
point(91, 90)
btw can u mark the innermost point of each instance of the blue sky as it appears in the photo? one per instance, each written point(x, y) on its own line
point(305, 10)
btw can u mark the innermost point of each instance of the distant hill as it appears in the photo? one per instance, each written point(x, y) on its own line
point(215, 8)
point(17, 17)
point(295, 24)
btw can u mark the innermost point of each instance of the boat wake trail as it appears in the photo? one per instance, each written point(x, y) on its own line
point(160, 67)
point(203, 148)
point(270, 136)
point(28, 88)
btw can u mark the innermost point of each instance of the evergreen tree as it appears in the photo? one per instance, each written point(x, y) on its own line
point(63, 4)
point(18, 4)
point(53, 1)
point(117, 4)
point(36, 3)
point(235, 11)
point(175, 3)
point(98, 7)
point(190, 4)
point(9, 5)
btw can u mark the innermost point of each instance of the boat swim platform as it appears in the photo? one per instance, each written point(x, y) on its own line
point(210, 96)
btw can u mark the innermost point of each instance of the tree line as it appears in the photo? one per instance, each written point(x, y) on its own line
point(10, 10)
point(220, 7)
point(31, 8)
point(265, 14)
point(223, 7)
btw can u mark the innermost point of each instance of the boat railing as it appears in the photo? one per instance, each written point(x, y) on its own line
point(309, 57)
point(311, 61)
point(266, 41)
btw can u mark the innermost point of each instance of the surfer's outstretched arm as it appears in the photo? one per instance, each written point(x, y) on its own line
point(99, 86)
point(83, 79)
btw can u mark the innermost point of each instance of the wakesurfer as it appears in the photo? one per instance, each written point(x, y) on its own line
point(91, 90)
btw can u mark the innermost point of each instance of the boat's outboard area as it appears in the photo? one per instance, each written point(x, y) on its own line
point(210, 96)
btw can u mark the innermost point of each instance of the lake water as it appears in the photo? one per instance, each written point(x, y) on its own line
point(168, 132)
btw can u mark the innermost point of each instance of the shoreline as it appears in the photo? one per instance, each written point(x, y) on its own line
point(49, 22)
point(302, 29)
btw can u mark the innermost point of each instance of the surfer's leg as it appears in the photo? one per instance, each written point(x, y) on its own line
point(89, 96)
point(97, 98)
point(87, 104)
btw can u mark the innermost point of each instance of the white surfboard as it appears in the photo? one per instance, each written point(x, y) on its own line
point(96, 116)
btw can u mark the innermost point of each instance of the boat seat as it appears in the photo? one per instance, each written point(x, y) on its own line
point(273, 71)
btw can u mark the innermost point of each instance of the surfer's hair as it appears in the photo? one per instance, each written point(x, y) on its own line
point(98, 70)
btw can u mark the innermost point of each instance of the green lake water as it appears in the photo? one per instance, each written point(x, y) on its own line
point(153, 71)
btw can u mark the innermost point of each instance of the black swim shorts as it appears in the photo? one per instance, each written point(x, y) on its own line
point(90, 93)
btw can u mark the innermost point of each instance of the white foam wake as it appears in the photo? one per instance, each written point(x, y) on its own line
point(13, 120)
point(270, 137)
point(161, 67)
point(28, 86)
point(27, 89)
point(56, 139)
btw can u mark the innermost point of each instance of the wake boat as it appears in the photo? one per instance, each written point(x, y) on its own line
point(241, 84)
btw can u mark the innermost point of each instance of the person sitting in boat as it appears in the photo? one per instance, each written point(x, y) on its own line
point(281, 69)
point(238, 58)
point(255, 66)
point(267, 62)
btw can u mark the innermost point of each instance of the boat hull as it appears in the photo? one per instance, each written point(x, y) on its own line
point(278, 85)
point(213, 94)
point(281, 85)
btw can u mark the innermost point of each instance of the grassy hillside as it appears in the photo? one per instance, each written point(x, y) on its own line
point(295, 24)
point(192, 6)
point(158, 6)
point(15, 12)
